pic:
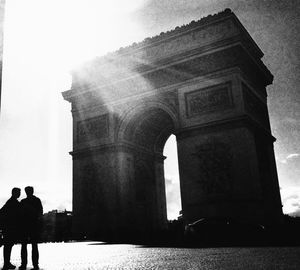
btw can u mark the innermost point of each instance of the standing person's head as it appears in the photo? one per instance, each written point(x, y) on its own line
point(16, 192)
point(29, 191)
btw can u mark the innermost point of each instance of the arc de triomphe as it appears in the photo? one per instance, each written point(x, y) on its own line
point(205, 83)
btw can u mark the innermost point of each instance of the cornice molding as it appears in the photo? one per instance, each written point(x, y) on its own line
point(116, 147)
point(159, 52)
point(179, 31)
point(239, 121)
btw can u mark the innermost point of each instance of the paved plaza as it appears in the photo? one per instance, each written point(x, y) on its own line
point(97, 255)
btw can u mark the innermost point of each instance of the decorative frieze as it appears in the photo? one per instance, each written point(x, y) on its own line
point(196, 38)
point(209, 100)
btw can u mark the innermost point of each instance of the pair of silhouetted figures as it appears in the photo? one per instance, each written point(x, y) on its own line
point(21, 222)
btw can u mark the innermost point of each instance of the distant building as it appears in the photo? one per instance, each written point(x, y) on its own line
point(56, 226)
point(180, 217)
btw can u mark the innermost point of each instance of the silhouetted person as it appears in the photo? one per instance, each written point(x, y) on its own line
point(10, 214)
point(32, 211)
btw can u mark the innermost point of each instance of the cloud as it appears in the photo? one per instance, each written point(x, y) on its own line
point(291, 200)
point(289, 157)
point(290, 120)
point(296, 204)
point(289, 170)
point(173, 196)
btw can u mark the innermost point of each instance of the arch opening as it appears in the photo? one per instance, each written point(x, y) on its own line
point(172, 181)
point(148, 131)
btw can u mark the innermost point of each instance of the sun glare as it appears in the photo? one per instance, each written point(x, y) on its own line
point(43, 41)
point(64, 33)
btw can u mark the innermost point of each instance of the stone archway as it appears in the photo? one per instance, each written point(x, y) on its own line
point(145, 130)
point(204, 82)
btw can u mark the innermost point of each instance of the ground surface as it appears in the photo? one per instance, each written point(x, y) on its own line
point(95, 255)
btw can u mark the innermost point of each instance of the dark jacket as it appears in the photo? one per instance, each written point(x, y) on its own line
point(31, 212)
point(10, 215)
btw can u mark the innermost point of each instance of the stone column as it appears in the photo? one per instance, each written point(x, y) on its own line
point(219, 174)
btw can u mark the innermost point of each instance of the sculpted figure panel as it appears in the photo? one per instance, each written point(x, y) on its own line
point(215, 166)
point(208, 100)
point(92, 129)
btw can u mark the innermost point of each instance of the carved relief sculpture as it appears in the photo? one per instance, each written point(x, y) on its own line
point(215, 165)
point(208, 100)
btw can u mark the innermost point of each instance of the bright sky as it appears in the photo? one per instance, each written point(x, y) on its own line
point(44, 39)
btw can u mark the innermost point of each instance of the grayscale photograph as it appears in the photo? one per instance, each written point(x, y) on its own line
point(149, 134)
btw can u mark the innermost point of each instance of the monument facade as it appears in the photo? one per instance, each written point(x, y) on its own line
point(205, 82)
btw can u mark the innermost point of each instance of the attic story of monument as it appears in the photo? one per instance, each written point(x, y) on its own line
point(205, 82)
